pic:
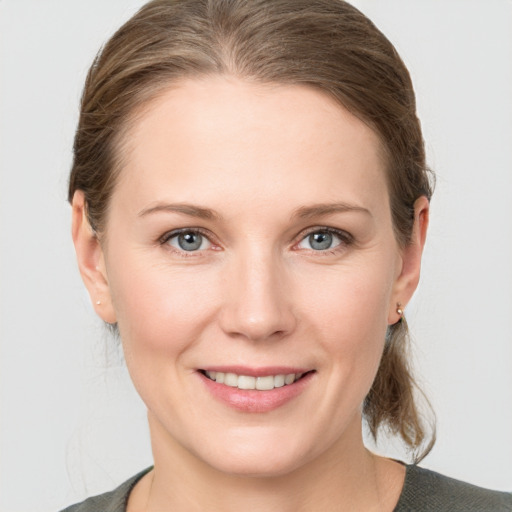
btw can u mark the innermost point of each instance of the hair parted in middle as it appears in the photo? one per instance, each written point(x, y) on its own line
point(327, 45)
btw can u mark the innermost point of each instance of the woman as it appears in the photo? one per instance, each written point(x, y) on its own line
point(250, 205)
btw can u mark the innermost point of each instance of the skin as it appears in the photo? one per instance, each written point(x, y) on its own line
point(256, 294)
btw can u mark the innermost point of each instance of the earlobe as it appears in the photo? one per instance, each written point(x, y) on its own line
point(90, 258)
point(409, 274)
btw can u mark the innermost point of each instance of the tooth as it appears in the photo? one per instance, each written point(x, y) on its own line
point(231, 379)
point(246, 382)
point(279, 381)
point(265, 383)
point(289, 378)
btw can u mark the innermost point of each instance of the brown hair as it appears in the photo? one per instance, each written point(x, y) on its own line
point(325, 44)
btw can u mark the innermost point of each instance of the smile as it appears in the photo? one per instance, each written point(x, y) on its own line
point(249, 382)
point(256, 390)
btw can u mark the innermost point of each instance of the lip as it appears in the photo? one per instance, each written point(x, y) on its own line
point(257, 372)
point(254, 401)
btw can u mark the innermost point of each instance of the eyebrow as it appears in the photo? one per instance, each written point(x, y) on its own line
point(183, 208)
point(316, 210)
point(304, 212)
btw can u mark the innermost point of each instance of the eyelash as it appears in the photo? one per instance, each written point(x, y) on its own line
point(346, 240)
point(163, 240)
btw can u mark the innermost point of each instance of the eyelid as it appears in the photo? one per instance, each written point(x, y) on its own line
point(162, 240)
point(315, 229)
point(344, 236)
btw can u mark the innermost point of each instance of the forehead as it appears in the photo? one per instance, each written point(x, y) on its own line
point(223, 138)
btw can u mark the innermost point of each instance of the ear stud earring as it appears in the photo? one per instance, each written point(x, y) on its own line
point(399, 309)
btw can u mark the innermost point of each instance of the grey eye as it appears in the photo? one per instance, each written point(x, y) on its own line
point(320, 241)
point(189, 241)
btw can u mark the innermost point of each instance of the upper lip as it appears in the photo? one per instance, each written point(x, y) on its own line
point(262, 371)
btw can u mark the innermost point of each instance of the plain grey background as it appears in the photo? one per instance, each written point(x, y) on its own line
point(71, 424)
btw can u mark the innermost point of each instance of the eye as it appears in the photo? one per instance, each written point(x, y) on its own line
point(188, 240)
point(322, 240)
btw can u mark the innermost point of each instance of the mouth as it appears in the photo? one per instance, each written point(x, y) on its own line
point(250, 390)
point(251, 382)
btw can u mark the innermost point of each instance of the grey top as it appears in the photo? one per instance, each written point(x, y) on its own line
point(423, 491)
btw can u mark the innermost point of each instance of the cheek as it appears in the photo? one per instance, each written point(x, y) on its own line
point(354, 300)
point(160, 309)
point(347, 316)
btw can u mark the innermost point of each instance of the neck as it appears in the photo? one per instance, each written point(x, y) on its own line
point(345, 477)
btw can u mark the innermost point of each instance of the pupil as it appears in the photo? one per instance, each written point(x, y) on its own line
point(320, 241)
point(190, 241)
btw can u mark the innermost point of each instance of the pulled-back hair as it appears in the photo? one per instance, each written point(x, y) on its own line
point(324, 44)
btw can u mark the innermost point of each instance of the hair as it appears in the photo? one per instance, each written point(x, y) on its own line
point(325, 44)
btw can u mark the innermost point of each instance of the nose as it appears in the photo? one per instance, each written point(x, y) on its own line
point(257, 304)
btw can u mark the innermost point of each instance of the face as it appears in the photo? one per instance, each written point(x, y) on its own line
point(250, 263)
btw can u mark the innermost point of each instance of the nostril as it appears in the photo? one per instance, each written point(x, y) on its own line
point(255, 303)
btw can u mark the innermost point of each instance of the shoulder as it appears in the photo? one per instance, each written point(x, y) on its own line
point(113, 501)
point(426, 490)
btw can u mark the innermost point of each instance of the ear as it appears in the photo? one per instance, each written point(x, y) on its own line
point(409, 271)
point(91, 261)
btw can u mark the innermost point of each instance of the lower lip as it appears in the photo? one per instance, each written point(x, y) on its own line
point(251, 400)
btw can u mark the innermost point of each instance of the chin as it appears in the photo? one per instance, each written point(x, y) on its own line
point(268, 458)
point(258, 467)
